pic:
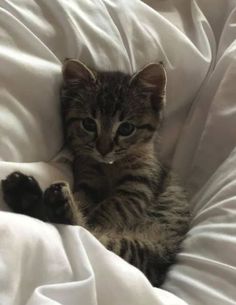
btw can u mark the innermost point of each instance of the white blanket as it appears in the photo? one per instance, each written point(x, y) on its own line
point(45, 264)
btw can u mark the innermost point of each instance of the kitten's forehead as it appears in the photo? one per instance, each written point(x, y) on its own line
point(113, 98)
point(112, 93)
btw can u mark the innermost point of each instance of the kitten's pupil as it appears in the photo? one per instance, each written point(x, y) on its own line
point(126, 129)
point(89, 125)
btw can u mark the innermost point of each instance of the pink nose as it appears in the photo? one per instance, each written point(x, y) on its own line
point(104, 147)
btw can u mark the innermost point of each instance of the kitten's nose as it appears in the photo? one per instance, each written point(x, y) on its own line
point(104, 147)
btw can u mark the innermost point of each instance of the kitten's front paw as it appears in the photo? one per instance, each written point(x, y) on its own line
point(22, 193)
point(56, 195)
point(58, 200)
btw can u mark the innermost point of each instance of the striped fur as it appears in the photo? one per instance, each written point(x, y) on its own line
point(133, 206)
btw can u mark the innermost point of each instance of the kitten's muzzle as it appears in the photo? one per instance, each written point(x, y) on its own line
point(104, 147)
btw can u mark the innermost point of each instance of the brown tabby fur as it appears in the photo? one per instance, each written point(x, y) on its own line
point(134, 206)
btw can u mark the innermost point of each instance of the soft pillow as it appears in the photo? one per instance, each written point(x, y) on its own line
point(206, 271)
point(206, 160)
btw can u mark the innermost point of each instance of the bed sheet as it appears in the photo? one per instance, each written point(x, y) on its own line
point(46, 264)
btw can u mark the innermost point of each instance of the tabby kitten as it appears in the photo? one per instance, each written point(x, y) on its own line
point(122, 194)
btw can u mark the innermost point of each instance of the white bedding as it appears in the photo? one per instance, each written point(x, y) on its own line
point(45, 264)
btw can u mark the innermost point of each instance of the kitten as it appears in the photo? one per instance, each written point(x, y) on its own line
point(122, 194)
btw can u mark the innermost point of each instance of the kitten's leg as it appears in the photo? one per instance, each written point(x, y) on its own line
point(60, 205)
point(23, 195)
point(147, 255)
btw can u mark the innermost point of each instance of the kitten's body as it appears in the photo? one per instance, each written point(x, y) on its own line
point(136, 209)
point(133, 206)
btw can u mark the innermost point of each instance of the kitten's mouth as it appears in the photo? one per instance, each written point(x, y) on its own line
point(107, 161)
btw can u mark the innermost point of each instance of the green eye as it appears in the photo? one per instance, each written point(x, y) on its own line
point(89, 125)
point(126, 129)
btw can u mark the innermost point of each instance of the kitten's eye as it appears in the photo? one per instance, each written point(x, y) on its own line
point(126, 129)
point(89, 125)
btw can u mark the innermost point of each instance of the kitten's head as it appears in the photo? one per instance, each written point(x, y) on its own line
point(108, 114)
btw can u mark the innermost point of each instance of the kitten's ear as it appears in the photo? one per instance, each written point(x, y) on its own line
point(152, 78)
point(75, 70)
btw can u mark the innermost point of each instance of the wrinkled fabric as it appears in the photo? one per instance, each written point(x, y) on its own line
point(46, 264)
point(49, 264)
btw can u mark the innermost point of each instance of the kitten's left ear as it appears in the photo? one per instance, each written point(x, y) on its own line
point(75, 70)
point(152, 78)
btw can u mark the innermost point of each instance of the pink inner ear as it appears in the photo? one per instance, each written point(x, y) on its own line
point(76, 70)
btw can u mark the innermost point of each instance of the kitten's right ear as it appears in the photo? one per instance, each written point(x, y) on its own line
point(152, 78)
point(74, 70)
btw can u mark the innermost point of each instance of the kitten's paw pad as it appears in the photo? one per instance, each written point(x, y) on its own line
point(57, 195)
point(20, 191)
